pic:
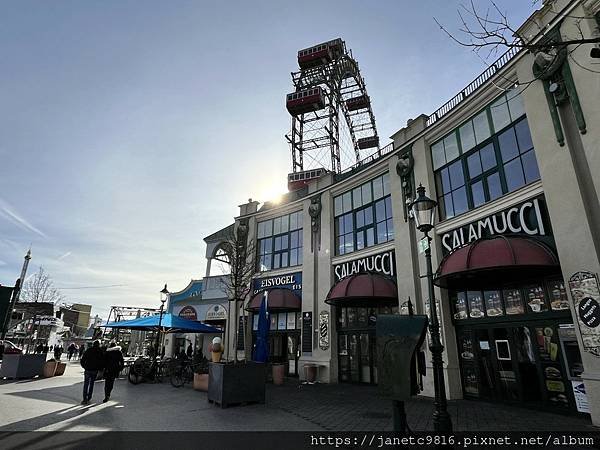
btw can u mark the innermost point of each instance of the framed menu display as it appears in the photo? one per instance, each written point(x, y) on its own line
point(475, 304)
point(281, 321)
point(535, 299)
point(513, 302)
point(291, 321)
point(558, 295)
point(460, 306)
point(493, 303)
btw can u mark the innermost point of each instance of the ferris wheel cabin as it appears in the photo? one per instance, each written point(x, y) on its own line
point(368, 142)
point(360, 102)
point(298, 180)
point(318, 55)
point(305, 101)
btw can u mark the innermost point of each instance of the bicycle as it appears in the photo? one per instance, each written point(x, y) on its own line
point(182, 373)
point(145, 369)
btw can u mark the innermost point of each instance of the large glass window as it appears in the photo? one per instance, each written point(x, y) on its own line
point(363, 216)
point(280, 242)
point(494, 155)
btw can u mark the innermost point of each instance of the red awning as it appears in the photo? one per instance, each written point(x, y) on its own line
point(495, 261)
point(364, 289)
point(278, 300)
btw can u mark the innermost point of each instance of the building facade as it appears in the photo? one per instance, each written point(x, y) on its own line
point(516, 249)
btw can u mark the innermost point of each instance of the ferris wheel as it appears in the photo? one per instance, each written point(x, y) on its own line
point(333, 126)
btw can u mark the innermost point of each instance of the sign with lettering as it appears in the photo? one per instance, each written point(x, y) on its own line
point(528, 218)
point(188, 313)
point(324, 330)
point(307, 332)
point(216, 312)
point(292, 281)
point(586, 295)
point(384, 263)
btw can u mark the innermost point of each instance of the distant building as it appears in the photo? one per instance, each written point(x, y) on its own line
point(76, 318)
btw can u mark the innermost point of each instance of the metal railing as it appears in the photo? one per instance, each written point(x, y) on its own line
point(389, 148)
point(472, 86)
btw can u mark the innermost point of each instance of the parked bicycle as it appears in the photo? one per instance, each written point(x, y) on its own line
point(182, 373)
point(149, 370)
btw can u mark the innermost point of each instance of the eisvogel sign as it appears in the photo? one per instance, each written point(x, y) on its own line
point(384, 263)
point(527, 218)
point(291, 281)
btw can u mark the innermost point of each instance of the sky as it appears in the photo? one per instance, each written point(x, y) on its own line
point(130, 130)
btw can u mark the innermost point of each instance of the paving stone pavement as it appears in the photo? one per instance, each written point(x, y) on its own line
point(342, 407)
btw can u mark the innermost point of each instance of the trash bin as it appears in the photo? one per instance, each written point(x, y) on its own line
point(278, 373)
point(310, 371)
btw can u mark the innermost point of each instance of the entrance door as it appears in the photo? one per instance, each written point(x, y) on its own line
point(499, 363)
point(356, 356)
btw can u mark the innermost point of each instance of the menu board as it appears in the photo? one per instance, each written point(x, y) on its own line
point(281, 321)
point(558, 295)
point(291, 321)
point(493, 303)
point(512, 298)
point(475, 304)
point(307, 329)
point(586, 295)
point(535, 299)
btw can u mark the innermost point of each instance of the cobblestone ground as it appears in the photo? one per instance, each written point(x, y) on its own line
point(348, 408)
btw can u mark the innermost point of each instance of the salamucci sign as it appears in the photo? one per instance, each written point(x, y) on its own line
point(527, 218)
point(381, 263)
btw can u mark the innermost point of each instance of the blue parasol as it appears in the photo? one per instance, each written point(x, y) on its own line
point(261, 351)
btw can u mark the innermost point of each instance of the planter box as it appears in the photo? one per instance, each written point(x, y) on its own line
point(22, 366)
point(201, 382)
point(278, 373)
point(49, 369)
point(230, 384)
point(60, 369)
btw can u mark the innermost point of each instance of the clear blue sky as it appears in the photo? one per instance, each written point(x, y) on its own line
point(129, 130)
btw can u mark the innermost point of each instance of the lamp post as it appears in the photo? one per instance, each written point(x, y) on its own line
point(423, 212)
point(163, 298)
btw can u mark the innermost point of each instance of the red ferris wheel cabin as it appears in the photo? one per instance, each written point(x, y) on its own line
point(319, 54)
point(305, 101)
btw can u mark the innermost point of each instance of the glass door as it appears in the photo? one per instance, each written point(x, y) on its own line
point(293, 341)
point(507, 387)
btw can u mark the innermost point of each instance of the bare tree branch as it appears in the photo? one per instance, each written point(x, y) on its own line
point(40, 288)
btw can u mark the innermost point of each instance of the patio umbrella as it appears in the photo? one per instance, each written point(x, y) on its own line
point(169, 324)
point(261, 351)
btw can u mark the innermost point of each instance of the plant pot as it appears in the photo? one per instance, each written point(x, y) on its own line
point(60, 369)
point(311, 372)
point(22, 365)
point(278, 373)
point(49, 369)
point(216, 356)
point(201, 382)
point(236, 383)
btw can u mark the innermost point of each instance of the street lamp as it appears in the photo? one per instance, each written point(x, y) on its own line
point(423, 212)
point(163, 298)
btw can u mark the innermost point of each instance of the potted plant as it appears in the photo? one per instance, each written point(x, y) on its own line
point(216, 349)
point(49, 368)
point(200, 373)
point(60, 368)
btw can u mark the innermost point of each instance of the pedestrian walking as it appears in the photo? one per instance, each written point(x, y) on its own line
point(81, 350)
point(46, 348)
point(190, 351)
point(70, 351)
point(58, 352)
point(114, 363)
point(92, 361)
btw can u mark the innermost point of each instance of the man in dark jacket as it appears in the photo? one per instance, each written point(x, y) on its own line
point(190, 351)
point(113, 365)
point(92, 361)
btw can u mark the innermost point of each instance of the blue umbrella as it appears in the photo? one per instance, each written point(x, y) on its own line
point(168, 324)
point(261, 351)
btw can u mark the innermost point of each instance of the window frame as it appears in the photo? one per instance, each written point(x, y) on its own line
point(272, 253)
